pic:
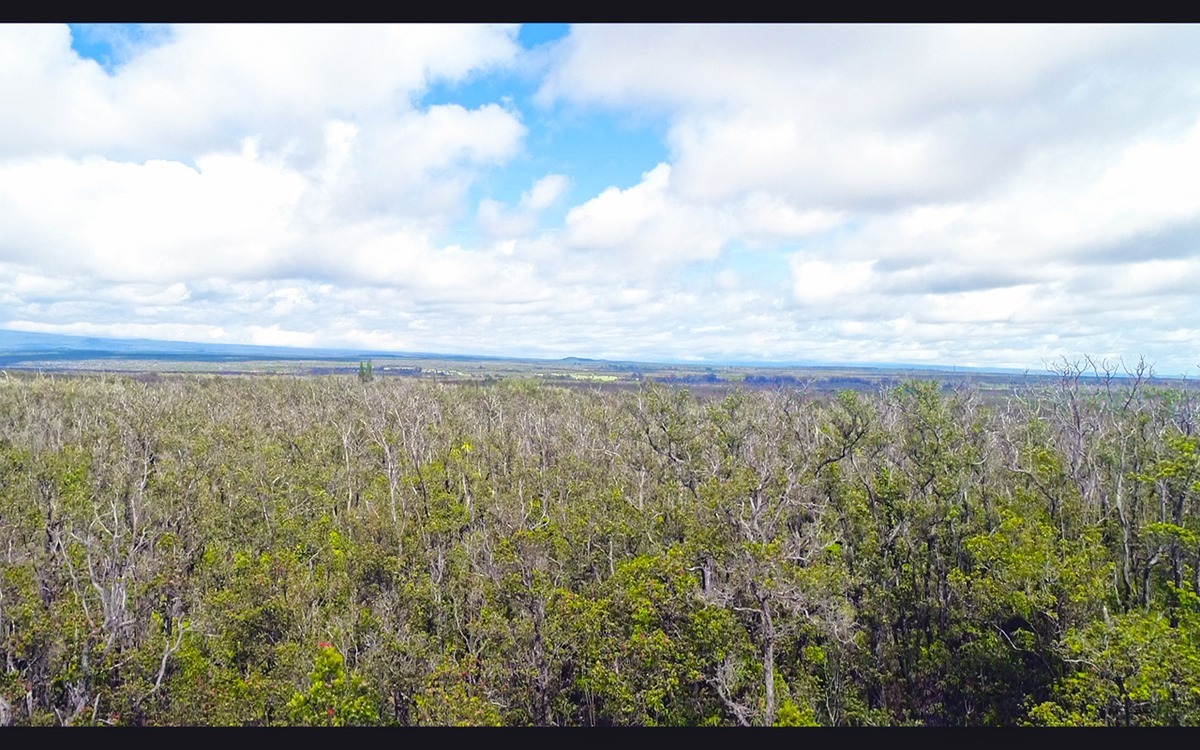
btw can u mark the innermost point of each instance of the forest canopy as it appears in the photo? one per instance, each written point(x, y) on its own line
point(272, 550)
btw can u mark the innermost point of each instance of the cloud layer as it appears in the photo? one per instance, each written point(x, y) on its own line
point(976, 195)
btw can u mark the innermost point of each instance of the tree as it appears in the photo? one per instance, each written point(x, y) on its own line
point(333, 698)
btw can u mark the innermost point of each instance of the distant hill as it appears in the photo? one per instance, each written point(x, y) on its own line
point(23, 346)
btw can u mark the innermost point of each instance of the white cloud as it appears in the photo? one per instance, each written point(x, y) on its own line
point(208, 86)
point(875, 115)
point(421, 164)
point(764, 217)
point(158, 331)
point(545, 192)
point(497, 220)
point(273, 335)
point(162, 220)
point(288, 300)
point(645, 222)
point(819, 282)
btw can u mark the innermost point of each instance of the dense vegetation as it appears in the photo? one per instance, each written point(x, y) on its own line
point(206, 550)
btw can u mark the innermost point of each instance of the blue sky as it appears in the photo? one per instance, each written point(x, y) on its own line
point(977, 195)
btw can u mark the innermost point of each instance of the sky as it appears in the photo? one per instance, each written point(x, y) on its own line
point(991, 195)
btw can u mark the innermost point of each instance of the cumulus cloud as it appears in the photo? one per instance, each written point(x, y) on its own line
point(645, 222)
point(498, 220)
point(225, 150)
point(819, 282)
point(948, 185)
point(870, 116)
point(206, 87)
point(229, 215)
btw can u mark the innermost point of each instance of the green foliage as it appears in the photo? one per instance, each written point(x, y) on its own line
point(1131, 669)
point(333, 698)
point(645, 646)
point(791, 715)
point(453, 696)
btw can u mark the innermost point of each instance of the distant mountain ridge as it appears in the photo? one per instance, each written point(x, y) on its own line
point(17, 347)
point(25, 346)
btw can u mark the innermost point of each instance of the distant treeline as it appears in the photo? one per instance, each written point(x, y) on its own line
point(826, 383)
point(703, 377)
point(377, 371)
point(270, 550)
